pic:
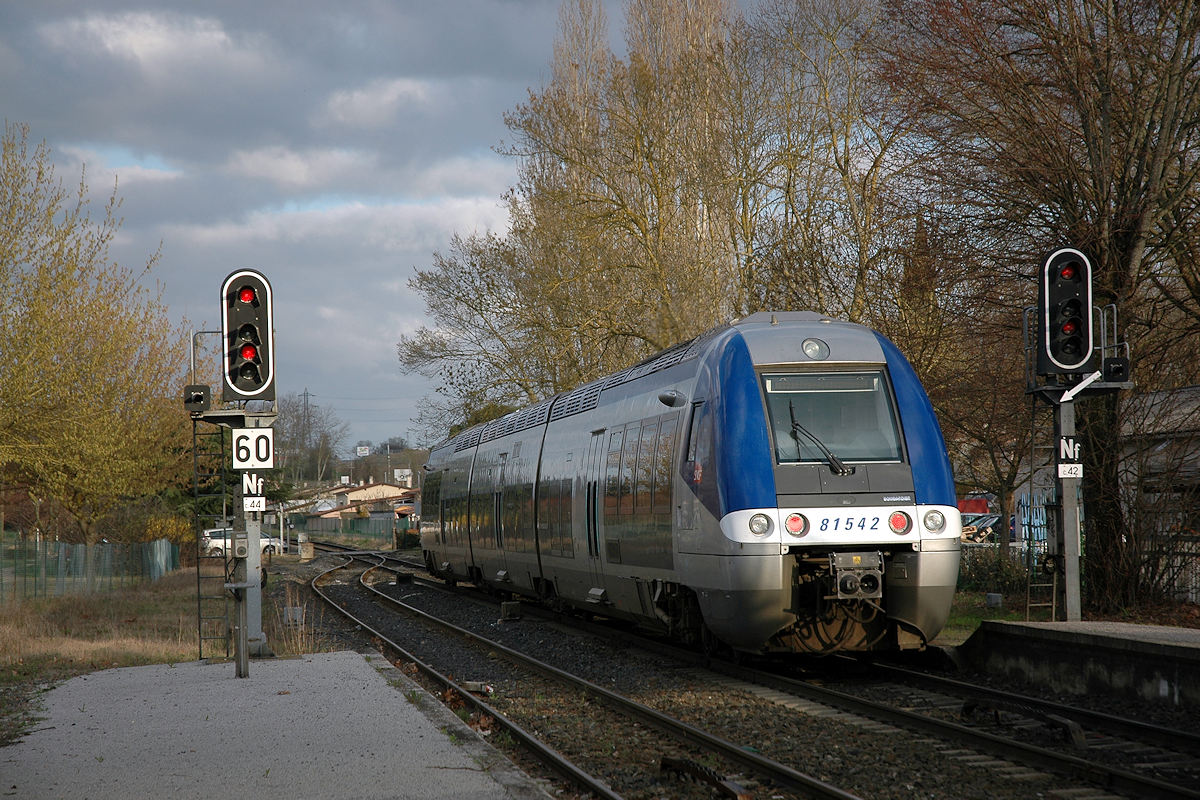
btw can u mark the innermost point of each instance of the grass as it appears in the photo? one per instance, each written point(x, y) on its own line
point(970, 608)
point(298, 632)
point(63, 636)
point(47, 640)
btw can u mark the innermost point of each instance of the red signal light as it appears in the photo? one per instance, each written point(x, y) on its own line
point(246, 327)
point(1070, 327)
point(1068, 272)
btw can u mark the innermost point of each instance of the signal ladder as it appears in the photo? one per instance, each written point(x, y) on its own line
point(210, 491)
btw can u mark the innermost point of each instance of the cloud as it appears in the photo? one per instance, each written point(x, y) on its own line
point(295, 169)
point(337, 171)
point(334, 146)
point(163, 46)
point(482, 174)
point(400, 226)
point(378, 104)
point(115, 163)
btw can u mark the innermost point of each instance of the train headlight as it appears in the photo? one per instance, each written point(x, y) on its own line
point(796, 524)
point(899, 522)
point(760, 524)
point(815, 349)
point(935, 521)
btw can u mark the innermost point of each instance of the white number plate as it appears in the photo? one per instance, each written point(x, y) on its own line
point(253, 448)
point(1070, 470)
point(254, 504)
point(849, 524)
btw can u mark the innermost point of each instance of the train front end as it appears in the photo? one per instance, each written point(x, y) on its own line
point(830, 492)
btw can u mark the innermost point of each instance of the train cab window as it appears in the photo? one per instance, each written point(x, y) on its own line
point(849, 414)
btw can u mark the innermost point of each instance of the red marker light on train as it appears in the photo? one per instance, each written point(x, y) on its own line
point(899, 522)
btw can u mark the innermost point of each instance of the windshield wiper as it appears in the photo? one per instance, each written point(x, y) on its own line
point(836, 464)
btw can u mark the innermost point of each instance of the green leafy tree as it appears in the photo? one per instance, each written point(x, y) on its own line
point(90, 365)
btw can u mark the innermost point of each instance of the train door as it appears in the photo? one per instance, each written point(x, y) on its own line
point(498, 518)
point(597, 454)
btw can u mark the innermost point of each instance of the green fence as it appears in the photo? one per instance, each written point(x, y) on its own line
point(33, 567)
point(368, 532)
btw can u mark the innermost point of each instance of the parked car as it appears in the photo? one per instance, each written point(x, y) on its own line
point(216, 542)
point(985, 527)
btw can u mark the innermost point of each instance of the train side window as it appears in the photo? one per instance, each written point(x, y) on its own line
point(433, 501)
point(612, 474)
point(433, 488)
point(547, 528)
point(565, 500)
point(625, 480)
point(664, 458)
point(554, 513)
point(644, 476)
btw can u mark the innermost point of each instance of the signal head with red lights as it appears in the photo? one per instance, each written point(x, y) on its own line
point(247, 337)
point(1065, 342)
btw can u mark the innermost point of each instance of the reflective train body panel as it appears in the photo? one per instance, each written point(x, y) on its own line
point(778, 484)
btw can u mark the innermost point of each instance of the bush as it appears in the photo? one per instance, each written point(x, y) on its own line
point(986, 569)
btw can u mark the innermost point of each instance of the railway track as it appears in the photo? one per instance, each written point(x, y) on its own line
point(538, 692)
point(1023, 752)
point(1025, 731)
point(1163, 752)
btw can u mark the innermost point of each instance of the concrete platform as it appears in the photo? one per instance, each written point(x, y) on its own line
point(331, 725)
point(1149, 662)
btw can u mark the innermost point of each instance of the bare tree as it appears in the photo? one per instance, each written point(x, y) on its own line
point(309, 438)
point(619, 245)
point(1067, 122)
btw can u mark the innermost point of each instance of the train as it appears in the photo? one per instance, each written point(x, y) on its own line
point(779, 484)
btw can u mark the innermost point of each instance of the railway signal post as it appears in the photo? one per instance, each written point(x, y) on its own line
point(247, 373)
point(1072, 355)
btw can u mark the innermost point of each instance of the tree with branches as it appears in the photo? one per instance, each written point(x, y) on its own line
point(89, 408)
point(1069, 123)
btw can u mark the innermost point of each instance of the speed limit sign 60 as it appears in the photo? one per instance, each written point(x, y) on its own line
point(253, 448)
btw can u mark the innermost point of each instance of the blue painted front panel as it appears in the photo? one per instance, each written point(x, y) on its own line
point(743, 451)
point(933, 478)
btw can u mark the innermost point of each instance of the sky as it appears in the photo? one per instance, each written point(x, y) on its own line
point(334, 147)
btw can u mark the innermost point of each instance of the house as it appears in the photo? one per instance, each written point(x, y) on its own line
point(380, 512)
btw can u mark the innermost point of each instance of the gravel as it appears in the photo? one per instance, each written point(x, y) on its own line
point(860, 756)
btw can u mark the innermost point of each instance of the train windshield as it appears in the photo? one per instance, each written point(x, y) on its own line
point(847, 415)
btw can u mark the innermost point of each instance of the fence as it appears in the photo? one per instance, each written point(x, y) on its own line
point(32, 567)
point(375, 532)
point(1167, 544)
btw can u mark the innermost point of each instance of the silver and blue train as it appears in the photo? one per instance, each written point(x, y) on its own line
point(779, 484)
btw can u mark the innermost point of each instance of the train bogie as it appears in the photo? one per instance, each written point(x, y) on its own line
point(777, 484)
